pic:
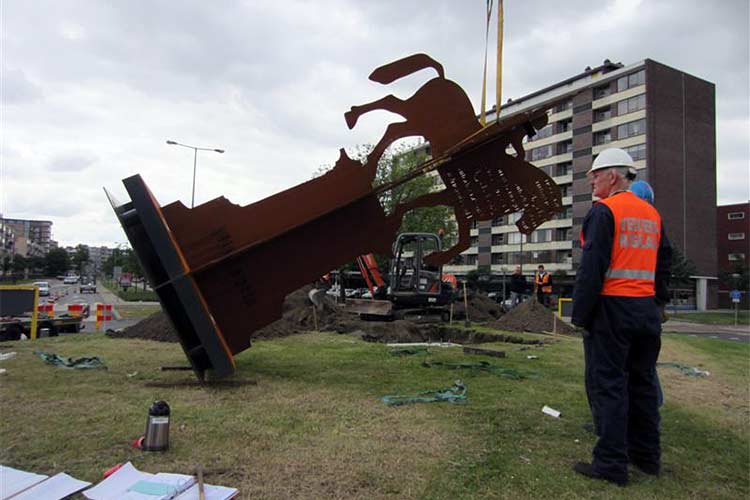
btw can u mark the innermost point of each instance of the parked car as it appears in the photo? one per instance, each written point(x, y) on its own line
point(87, 288)
point(43, 287)
point(70, 280)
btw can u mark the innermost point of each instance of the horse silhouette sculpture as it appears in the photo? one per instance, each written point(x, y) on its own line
point(222, 271)
point(483, 182)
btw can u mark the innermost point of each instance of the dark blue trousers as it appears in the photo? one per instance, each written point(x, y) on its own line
point(621, 347)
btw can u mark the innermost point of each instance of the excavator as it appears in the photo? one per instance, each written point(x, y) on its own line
point(414, 288)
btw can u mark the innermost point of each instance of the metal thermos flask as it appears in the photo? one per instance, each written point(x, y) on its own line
point(157, 427)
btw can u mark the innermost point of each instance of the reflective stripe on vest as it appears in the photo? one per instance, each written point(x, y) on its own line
point(635, 246)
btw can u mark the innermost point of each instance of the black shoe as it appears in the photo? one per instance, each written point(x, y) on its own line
point(588, 471)
point(647, 468)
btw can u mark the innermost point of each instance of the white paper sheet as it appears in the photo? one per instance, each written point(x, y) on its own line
point(116, 486)
point(55, 488)
point(212, 493)
point(13, 480)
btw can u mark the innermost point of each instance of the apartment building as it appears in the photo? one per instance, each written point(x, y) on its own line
point(662, 116)
point(31, 234)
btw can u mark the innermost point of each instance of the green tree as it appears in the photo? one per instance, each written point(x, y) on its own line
point(736, 279)
point(80, 257)
point(19, 264)
point(681, 270)
point(399, 161)
point(56, 262)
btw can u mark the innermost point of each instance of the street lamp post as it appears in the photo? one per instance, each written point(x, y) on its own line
point(195, 162)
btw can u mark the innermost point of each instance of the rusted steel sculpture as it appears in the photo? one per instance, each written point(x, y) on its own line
point(222, 271)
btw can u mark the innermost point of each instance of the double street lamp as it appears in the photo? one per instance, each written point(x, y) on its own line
point(195, 162)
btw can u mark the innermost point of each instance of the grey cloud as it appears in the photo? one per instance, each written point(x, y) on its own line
point(71, 162)
point(17, 88)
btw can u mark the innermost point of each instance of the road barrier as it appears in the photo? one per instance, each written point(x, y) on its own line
point(103, 314)
point(48, 310)
point(75, 310)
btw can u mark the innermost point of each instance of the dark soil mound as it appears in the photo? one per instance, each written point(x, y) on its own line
point(531, 317)
point(155, 327)
point(300, 316)
point(481, 308)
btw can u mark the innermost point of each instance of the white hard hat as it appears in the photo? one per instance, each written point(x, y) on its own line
point(614, 157)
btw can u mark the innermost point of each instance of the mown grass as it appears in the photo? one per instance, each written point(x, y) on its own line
point(712, 317)
point(134, 293)
point(312, 426)
point(132, 311)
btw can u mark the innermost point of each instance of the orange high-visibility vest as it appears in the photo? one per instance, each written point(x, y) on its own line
point(635, 247)
point(543, 282)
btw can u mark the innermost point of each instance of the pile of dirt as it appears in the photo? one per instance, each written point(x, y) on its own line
point(531, 317)
point(300, 316)
point(155, 327)
point(481, 308)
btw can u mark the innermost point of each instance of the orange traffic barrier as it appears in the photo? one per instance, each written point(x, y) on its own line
point(103, 314)
point(48, 310)
point(75, 310)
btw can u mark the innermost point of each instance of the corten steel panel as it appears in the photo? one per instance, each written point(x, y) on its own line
point(222, 271)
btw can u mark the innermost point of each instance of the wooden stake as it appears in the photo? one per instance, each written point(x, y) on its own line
point(466, 307)
point(315, 317)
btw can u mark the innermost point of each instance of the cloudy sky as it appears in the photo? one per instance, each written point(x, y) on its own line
point(92, 89)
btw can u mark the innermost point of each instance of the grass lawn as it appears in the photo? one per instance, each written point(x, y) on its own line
point(313, 426)
point(130, 311)
point(712, 317)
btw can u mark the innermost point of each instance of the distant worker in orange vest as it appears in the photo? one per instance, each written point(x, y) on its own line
point(623, 275)
point(543, 285)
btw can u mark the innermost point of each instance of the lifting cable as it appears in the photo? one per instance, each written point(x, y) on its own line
point(499, 74)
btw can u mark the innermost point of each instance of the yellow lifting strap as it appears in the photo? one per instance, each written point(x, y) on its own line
point(499, 75)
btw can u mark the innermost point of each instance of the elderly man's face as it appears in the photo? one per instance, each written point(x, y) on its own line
point(601, 182)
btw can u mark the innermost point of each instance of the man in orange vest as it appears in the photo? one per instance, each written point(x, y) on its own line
point(620, 283)
point(543, 284)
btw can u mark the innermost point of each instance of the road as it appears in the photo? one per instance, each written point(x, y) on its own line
point(69, 294)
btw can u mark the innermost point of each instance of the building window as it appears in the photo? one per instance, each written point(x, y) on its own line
point(564, 147)
point(564, 126)
point(631, 129)
point(581, 197)
point(566, 213)
point(601, 114)
point(474, 241)
point(543, 132)
point(603, 137)
point(632, 80)
point(471, 260)
point(631, 105)
point(541, 236)
point(498, 239)
point(563, 106)
point(563, 169)
point(637, 152)
point(498, 221)
point(542, 152)
point(736, 236)
point(736, 256)
point(735, 215)
point(514, 238)
point(602, 91)
point(565, 190)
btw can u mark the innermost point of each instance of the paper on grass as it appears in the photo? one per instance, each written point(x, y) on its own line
point(118, 485)
point(55, 488)
point(212, 493)
point(13, 480)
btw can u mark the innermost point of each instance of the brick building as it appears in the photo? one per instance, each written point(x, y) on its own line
point(732, 244)
point(663, 117)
